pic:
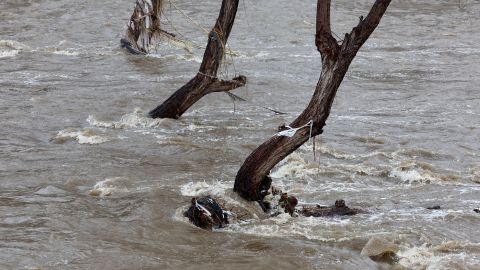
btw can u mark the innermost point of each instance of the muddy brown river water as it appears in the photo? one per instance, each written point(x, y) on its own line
point(87, 181)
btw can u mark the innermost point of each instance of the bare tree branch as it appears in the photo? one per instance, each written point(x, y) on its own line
point(359, 34)
point(223, 85)
point(252, 181)
point(205, 81)
point(326, 44)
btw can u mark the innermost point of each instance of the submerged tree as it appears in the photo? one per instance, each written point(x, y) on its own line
point(143, 26)
point(252, 181)
point(144, 30)
point(205, 81)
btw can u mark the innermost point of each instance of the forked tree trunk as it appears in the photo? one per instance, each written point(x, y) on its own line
point(206, 80)
point(252, 181)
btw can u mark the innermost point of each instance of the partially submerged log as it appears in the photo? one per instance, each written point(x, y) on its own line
point(289, 203)
point(206, 213)
point(338, 209)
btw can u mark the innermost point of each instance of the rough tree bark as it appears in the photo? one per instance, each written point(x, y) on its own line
point(206, 80)
point(252, 181)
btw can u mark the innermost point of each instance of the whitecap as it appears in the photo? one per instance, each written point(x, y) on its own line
point(85, 136)
point(10, 48)
point(449, 255)
point(65, 52)
point(108, 187)
point(412, 176)
point(294, 166)
point(131, 120)
point(10, 53)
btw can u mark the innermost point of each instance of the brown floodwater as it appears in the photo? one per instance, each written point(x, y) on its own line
point(87, 181)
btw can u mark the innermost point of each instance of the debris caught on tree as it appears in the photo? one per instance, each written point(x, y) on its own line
point(288, 203)
point(144, 31)
point(144, 24)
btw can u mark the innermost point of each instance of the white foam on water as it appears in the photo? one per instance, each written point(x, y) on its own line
point(66, 52)
point(179, 214)
point(255, 55)
point(216, 189)
point(322, 229)
point(131, 120)
point(295, 174)
point(108, 187)
point(10, 48)
point(294, 166)
point(183, 57)
point(9, 53)
point(12, 44)
point(412, 176)
point(448, 255)
point(83, 136)
point(51, 191)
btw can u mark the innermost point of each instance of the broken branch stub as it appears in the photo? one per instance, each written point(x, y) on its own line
point(336, 60)
point(206, 81)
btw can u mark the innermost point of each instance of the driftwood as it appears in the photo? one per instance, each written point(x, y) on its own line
point(251, 180)
point(289, 204)
point(205, 81)
point(338, 209)
point(207, 213)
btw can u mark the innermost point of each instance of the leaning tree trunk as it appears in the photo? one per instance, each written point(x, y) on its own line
point(206, 80)
point(252, 181)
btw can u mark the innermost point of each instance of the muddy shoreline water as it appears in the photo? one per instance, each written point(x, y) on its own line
point(88, 181)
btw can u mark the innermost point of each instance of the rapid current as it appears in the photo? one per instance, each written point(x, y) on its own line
point(88, 181)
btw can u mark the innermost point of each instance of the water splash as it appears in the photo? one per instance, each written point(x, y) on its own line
point(108, 187)
point(82, 136)
point(10, 48)
point(137, 118)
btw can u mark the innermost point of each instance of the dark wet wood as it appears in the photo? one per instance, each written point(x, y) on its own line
point(205, 81)
point(206, 213)
point(338, 209)
point(250, 180)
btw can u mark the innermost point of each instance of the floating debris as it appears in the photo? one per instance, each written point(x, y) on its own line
point(206, 213)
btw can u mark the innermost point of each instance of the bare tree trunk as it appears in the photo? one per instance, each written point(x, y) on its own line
point(206, 80)
point(252, 181)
